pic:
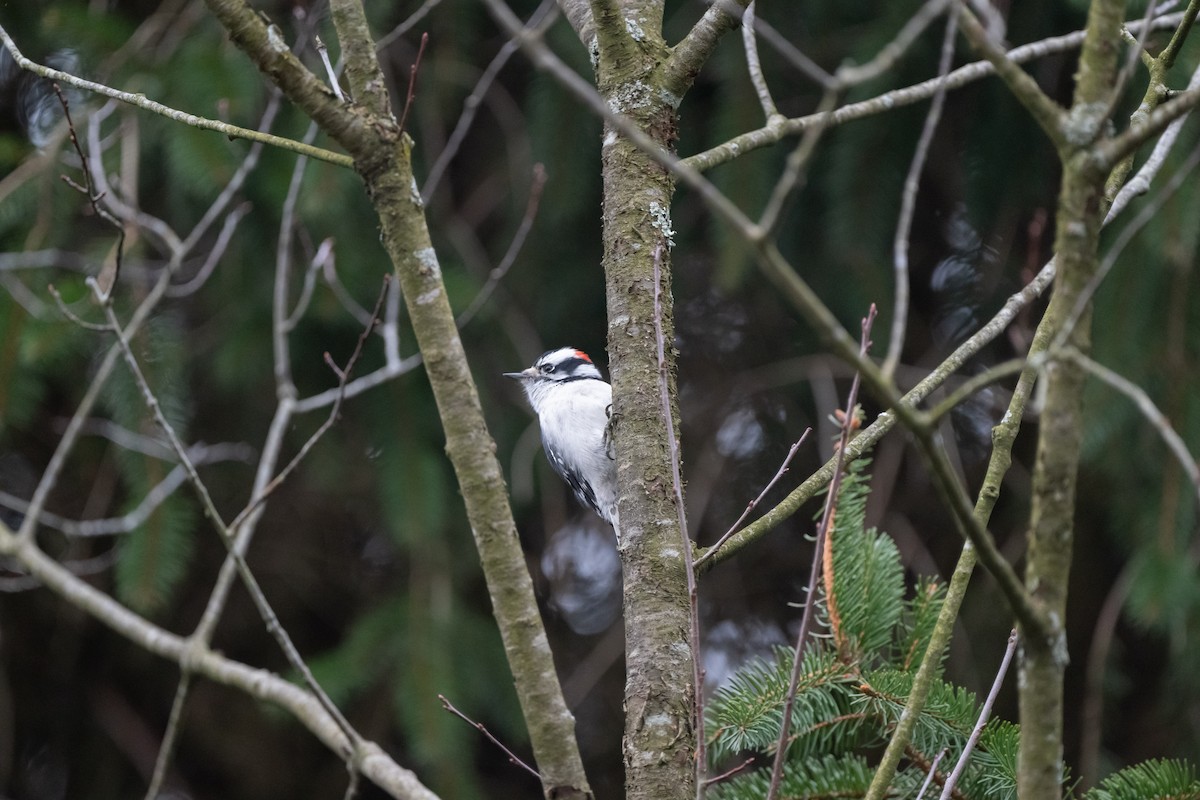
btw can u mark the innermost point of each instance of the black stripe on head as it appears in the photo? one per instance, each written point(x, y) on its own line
point(567, 364)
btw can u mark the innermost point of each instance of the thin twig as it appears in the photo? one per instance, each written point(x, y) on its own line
point(1157, 419)
point(539, 23)
point(352, 782)
point(536, 185)
point(479, 726)
point(792, 54)
point(984, 713)
point(908, 203)
point(268, 615)
point(1178, 177)
point(330, 72)
point(664, 389)
point(66, 311)
point(412, 80)
point(810, 601)
point(754, 65)
point(794, 171)
point(108, 279)
point(932, 771)
point(347, 301)
point(170, 736)
point(407, 25)
point(850, 75)
point(783, 468)
point(729, 773)
point(214, 255)
point(343, 374)
point(1139, 184)
point(141, 101)
point(284, 386)
point(1137, 50)
point(320, 260)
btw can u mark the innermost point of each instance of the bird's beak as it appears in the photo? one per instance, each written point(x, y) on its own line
point(522, 375)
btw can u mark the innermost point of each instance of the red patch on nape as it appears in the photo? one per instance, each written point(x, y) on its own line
point(583, 355)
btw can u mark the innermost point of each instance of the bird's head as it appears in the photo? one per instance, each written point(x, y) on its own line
point(557, 366)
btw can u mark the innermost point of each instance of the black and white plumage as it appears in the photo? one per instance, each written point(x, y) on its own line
point(574, 405)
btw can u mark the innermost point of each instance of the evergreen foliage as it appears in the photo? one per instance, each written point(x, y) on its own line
point(855, 681)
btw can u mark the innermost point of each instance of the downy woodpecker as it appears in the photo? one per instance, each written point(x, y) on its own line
point(574, 407)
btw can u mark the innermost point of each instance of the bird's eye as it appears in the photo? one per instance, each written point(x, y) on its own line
point(547, 368)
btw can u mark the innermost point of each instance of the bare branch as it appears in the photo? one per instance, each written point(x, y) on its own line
point(258, 683)
point(407, 25)
point(774, 132)
point(1048, 114)
point(783, 468)
point(1139, 184)
point(849, 425)
point(931, 773)
point(479, 726)
point(1157, 419)
point(330, 72)
point(141, 101)
point(909, 201)
point(984, 713)
point(514, 248)
point(886, 58)
point(750, 45)
point(1108, 153)
point(539, 23)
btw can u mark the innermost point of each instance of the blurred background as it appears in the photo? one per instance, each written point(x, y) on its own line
point(365, 552)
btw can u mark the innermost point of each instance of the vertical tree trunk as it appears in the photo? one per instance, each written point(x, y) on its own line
point(1080, 213)
point(659, 735)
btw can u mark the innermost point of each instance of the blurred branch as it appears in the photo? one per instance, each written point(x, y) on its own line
point(908, 204)
point(1157, 419)
point(539, 23)
point(141, 101)
point(199, 453)
point(256, 683)
point(852, 75)
point(984, 712)
point(537, 183)
point(1048, 114)
point(795, 169)
point(407, 25)
point(849, 425)
point(791, 53)
point(214, 255)
point(1139, 184)
point(774, 132)
point(1179, 177)
point(754, 65)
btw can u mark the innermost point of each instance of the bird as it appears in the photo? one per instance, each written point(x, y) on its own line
point(573, 404)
